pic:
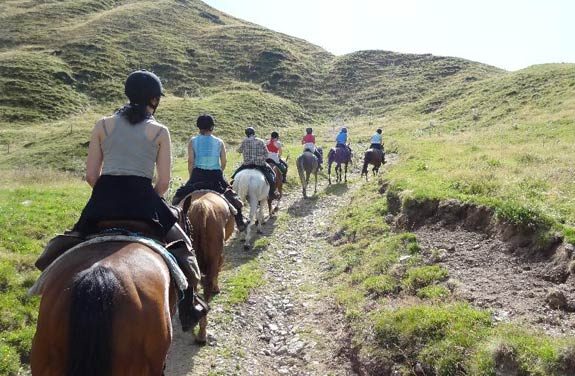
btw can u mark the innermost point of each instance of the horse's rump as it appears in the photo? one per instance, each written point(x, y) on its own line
point(339, 155)
point(212, 223)
point(98, 312)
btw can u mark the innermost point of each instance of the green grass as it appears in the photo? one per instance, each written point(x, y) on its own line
point(239, 285)
point(383, 285)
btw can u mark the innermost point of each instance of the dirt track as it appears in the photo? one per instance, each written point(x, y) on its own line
point(288, 326)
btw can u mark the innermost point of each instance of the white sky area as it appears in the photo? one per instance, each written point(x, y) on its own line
point(509, 34)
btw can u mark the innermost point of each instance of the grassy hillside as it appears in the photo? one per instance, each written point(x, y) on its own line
point(461, 129)
point(81, 51)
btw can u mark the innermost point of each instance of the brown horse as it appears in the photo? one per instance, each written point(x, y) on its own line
point(375, 157)
point(212, 224)
point(106, 310)
point(279, 188)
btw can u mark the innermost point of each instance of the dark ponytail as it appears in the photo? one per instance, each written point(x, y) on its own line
point(134, 112)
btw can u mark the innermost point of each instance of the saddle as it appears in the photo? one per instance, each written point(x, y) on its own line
point(175, 271)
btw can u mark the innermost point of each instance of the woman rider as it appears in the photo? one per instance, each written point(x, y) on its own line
point(124, 149)
point(376, 140)
point(206, 162)
point(274, 147)
point(308, 142)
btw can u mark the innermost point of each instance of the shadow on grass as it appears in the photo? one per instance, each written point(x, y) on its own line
point(336, 189)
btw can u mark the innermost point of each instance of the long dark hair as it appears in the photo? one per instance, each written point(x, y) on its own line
point(134, 112)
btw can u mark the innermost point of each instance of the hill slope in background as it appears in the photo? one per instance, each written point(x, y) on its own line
point(56, 57)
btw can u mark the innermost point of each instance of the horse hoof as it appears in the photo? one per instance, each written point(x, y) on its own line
point(201, 341)
point(246, 247)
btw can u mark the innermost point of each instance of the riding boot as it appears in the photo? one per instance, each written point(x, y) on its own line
point(233, 199)
point(56, 247)
point(191, 308)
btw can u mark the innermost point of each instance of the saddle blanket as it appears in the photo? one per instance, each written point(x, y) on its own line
point(175, 271)
point(232, 209)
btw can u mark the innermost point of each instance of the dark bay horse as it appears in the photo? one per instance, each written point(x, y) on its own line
point(307, 164)
point(375, 157)
point(339, 155)
point(279, 187)
point(212, 224)
point(105, 310)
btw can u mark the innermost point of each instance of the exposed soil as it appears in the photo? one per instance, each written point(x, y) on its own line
point(288, 326)
point(516, 286)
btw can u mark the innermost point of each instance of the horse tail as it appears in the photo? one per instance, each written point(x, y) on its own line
point(365, 163)
point(301, 170)
point(91, 319)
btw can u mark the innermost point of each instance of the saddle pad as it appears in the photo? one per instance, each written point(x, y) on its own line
point(175, 271)
point(232, 208)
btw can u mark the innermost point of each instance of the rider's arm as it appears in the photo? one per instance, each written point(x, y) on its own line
point(241, 148)
point(223, 157)
point(279, 145)
point(163, 162)
point(191, 158)
point(95, 155)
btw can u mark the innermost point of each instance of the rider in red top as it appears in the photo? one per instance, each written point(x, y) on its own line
point(308, 142)
point(274, 147)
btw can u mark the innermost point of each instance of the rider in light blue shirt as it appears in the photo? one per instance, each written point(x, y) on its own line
point(377, 140)
point(341, 138)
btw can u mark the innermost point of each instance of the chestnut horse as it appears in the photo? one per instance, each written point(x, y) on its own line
point(279, 187)
point(106, 310)
point(212, 224)
point(375, 157)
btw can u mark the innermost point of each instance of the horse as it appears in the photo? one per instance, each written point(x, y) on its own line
point(307, 163)
point(375, 157)
point(212, 223)
point(101, 315)
point(339, 155)
point(279, 188)
point(252, 186)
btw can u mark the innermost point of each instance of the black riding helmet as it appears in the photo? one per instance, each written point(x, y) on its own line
point(205, 122)
point(308, 130)
point(250, 131)
point(141, 86)
point(379, 130)
point(275, 135)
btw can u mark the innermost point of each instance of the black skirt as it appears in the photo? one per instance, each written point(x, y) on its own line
point(125, 198)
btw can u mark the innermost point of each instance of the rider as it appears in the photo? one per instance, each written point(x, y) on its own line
point(274, 147)
point(341, 138)
point(124, 150)
point(377, 140)
point(308, 142)
point(255, 153)
point(206, 162)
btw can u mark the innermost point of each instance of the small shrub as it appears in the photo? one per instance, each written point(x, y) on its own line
point(419, 277)
point(433, 292)
point(381, 285)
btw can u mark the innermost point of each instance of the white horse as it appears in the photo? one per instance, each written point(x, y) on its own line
point(252, 186)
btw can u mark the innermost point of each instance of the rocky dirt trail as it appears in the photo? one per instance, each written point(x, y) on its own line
point(289, 325)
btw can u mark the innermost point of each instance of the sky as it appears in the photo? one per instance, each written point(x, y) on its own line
point(508, 34)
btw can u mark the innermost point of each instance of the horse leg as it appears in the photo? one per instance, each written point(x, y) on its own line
point(345, 172)
point(253, 211)
point(329, 173)
point(260, 214)
point(315, 187)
